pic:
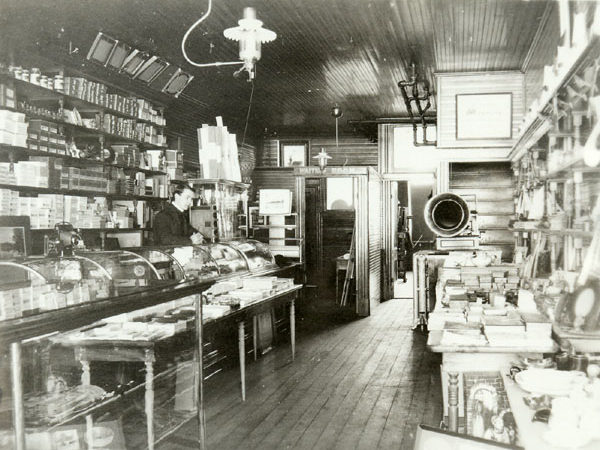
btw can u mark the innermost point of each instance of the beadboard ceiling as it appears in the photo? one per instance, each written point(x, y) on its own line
point(351, 52)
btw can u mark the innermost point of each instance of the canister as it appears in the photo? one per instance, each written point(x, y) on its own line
point(579, 362)
point(25, 75)
point(58, 83)
point(44, 81)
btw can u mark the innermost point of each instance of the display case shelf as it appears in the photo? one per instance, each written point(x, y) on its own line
point(70, 159)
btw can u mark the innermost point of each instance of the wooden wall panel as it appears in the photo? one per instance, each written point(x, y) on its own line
point(375, 238)
point(450, 85)
point(491, 184)
point(273, 179)
point(353, 151)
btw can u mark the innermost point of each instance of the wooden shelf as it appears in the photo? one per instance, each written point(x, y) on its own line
point(109, 230)
point(201, 181)
point(35, 93)
point(267, 227)
point(84, 132)
point(26, 151)
point(566, 232)
point(78, 192)
point(537, 124)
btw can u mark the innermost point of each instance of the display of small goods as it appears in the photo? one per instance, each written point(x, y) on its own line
point(246, 291)
point(567, 400)
point(56, 406)
point(24, 301)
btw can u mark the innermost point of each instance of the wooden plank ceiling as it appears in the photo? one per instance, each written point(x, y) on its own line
point(351, 52)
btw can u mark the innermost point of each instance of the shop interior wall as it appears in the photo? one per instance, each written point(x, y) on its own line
point(488, 188)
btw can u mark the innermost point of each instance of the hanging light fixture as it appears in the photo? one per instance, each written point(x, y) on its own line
point(322, 157)
point(250, 34)
point(336, 112)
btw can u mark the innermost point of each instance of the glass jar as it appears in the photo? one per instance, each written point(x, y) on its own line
point(44, 81)
point(25, 75)
point(34, 77)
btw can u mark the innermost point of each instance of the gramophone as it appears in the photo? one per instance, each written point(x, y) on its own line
point(449, 217)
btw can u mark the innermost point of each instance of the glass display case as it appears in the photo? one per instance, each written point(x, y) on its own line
point(228, 259)
point(163, 262)
point(126, 269)
point(257, 254)
point(31, 286)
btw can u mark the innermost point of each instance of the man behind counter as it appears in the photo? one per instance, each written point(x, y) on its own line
point(171, 225)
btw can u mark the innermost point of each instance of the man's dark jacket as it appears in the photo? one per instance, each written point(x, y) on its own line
point(172, 227)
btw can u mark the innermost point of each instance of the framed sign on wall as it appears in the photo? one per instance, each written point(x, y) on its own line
point(484, 116)
point(293, 153)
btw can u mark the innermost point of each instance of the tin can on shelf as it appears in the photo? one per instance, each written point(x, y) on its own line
point(44, 81)
point(34, 76)
point(25, 75)
point(58, 83)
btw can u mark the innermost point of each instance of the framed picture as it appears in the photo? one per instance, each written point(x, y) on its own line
point(293, 153)
point(484, 116)
point(487, 410)
point(15, 237)
point(429, 438)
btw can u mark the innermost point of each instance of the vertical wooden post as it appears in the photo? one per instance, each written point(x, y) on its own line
point(242, 354)
point(17, 395)
point(199, 374)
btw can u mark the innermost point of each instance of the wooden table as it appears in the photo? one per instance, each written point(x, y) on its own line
point(114, 350)
point(457, 359)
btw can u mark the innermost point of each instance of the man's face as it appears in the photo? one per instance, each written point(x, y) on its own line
point(185, 199)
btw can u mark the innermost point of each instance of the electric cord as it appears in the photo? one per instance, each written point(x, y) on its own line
point(187, 34)
point(248, 113)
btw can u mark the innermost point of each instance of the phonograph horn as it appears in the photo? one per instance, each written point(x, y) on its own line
point(447, 214)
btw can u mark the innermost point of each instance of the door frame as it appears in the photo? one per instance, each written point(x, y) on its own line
point(361, 217)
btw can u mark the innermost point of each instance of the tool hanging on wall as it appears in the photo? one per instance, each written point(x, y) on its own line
point(349, 273)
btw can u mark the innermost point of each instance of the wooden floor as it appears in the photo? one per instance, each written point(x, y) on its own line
point(364, 384)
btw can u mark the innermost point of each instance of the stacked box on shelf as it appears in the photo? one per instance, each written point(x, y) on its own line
point(45, 136)
point(9, 201)
point(32, 173)
point(7, 94)
point(13, 129)
point(7, 174)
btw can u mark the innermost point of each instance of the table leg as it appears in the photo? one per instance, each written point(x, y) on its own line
point(293, 327)
point(149, 397)
point(255, 334)
point(453, 401)
point(337, 282)
point(242, 352)
point(86, 381)
point(17, 395)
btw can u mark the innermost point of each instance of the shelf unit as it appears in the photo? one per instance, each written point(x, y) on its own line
point(280, 231)
point(134, 124)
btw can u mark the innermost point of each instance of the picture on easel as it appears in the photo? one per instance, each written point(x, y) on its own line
point(487, 410)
